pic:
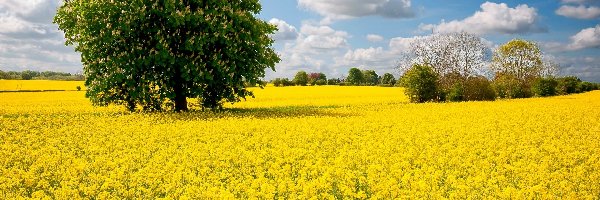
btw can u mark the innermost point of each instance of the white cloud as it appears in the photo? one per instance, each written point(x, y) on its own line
point(374, 38)
point(29, 40)
point(316, 49)
point(493, 18)
point(345, 9)
point(578, 1)
point(585, 67)
point(579, 12)
point(586, 38)
point(285, 31)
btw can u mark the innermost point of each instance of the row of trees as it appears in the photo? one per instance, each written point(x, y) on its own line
point(452, 67)
point(355, 77)
point(35, 75)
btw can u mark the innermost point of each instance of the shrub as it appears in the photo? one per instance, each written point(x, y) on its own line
point(277, 82)
point(286, 82)
point(479, 88)
point(508, 86)
point(585, 86)
point(568, 85)
point(333, 81)
point(456, 93)
point(420, 82)
point(320, 82)
point(544, 87)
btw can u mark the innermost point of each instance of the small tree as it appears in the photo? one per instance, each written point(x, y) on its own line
point(388, 79)
point(544, 87)
point(519, 62)
point(370, 77)
point(568, 85)
point(286, 82)
point(333, 81)
point(355, 76)
point(277, 82)
point(420, 83)
point(301, 78)
point(314, 77)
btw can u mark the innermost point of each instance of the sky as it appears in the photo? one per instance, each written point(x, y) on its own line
point(331, 36)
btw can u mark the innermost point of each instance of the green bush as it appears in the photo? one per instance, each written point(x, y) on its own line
point(479, 88)
point(420, 82)
point(585, 86)
point(277, 82)
point(320, 82)
point(333, 81)
point(508, 86)
point(456, 93)
point(568, 85)
point(544, 87)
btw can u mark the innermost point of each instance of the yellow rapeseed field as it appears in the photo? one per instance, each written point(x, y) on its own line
point(15, 85)
point(326, 142)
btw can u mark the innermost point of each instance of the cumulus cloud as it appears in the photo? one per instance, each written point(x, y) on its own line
point(346, 9)
point(578, 1)
point(29, 40)
point(285, 31)
point(315, 49)
point(585, 67)
point(579, 12)
point(586, 38)
point(493, 18)
point(374, 38)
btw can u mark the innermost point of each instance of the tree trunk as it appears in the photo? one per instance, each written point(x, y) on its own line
point(180, 97)
point(180, 102)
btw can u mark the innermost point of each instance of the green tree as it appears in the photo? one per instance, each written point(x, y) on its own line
point(314, 77)
point(420, 82)
point(28, 74)
point(355, 76)
point(370, 77)
point(3, 75)
point(301, 78)
point(517, 64)
point(388, 79)
point(147, 53)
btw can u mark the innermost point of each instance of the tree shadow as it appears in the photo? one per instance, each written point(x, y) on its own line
point(260, 113)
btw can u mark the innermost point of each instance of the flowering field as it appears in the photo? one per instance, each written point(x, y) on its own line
point(302, 142)
point(15, 85)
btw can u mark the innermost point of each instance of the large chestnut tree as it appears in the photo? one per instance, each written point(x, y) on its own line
point(153, 53)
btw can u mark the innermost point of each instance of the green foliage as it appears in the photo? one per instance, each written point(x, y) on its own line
point(314, 77)
point(321, 82)
point(456, 93)
point(420, 82)
point(355, 76)
point(286, 82)
point(479, 88)
point(28, 75)
point(147, 53)
point(586, 86)
point(568, 85)
point(45, 75)
point(545, 87)
point(301, 78)
point(334, 81)
point(370, 77)
point(508, 86)
point(277, 82)
point(388, 79)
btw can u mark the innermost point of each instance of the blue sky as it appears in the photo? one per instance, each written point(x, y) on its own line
point(332, 36)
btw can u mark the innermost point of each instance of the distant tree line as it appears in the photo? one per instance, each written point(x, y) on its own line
point(35, 75)
point(449, 67)
point(355, 77)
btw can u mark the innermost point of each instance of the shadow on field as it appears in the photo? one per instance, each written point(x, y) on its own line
point(261, 113)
